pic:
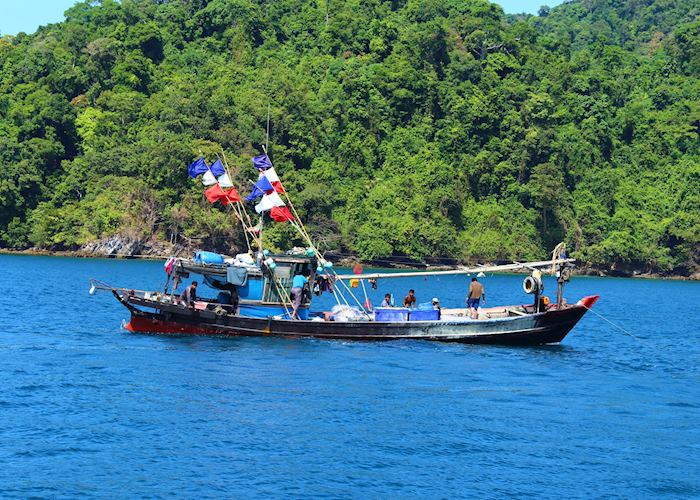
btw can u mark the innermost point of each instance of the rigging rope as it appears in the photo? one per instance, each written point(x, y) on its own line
point(613, 324)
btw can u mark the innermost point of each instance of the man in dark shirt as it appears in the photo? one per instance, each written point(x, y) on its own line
point(189, 295)
point(410, 299)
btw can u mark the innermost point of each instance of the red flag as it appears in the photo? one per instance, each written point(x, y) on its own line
point(281, 214)
point(230, 196)
point(169, 265)
point(215, 193)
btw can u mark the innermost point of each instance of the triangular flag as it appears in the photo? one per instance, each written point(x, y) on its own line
point(169, 265)
point(281, 214)
point(260, 188)
point(261, 162)
point(225, 181)
point(217, 168)
point(271, 176)
point(231, 196)
point(208, 178)
point(197, 167)
point(268, 202)
point(214, 193)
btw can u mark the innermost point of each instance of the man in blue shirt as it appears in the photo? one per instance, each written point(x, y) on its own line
point(298, 283)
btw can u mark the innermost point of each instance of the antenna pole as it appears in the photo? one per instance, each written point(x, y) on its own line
point(267, 136)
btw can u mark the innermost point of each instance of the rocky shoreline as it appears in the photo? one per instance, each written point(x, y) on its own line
point(126, 248)
point(114, 247)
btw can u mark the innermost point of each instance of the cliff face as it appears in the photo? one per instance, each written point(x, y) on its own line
point(124, 246)
point(440, 128)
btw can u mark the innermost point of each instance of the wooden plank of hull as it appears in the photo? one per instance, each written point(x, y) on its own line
point(543, 328)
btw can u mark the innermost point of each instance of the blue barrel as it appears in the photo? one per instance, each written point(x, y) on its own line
point(201, 257)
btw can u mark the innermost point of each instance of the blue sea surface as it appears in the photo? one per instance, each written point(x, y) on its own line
point(88, 409)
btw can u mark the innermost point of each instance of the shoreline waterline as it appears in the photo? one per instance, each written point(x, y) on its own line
point(346, 262)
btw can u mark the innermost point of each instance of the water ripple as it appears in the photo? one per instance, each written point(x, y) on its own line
point(90, 410)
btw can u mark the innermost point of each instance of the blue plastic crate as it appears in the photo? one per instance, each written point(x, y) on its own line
point(391, 314)
point(429, 315)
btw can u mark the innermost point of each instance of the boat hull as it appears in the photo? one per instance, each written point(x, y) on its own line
point(533, 329)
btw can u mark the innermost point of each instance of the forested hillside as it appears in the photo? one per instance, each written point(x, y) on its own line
point(419, 128)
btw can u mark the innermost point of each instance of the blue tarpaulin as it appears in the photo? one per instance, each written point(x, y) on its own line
point(202, 257)
point(237, 275)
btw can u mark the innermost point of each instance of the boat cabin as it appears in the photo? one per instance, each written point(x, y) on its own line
point(255, 289)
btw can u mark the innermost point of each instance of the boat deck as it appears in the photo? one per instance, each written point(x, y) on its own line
point(159, 301)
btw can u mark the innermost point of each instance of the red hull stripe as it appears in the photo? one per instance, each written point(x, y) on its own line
point(148, 325)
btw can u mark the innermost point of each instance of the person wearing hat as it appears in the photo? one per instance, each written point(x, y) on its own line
point(436, 305)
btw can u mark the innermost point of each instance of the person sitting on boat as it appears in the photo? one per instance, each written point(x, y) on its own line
point(474, 297)
point(298, 283)
point(410, 299)
point(388, 301)
point(436, 306)
point(189, 295)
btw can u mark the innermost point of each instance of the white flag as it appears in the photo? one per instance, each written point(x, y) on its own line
point(268, 202)
point(271, 175)
point(208, 178)
point(225, 181)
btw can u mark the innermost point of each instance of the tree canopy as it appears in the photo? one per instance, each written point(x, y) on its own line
point(424, 128)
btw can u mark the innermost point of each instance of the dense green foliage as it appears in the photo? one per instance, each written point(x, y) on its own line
point(404, 127)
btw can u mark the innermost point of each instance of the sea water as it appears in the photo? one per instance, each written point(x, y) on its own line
point(88, 409)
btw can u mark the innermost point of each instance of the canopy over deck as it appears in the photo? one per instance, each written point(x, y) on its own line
point(463, 270)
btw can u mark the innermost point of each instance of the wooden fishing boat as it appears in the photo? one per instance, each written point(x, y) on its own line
point(531, 324)
point(257, 297)
point(512, 325)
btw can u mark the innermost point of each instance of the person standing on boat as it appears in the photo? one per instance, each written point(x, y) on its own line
point(474, 297)
point(410, 299)
point(387, 302)
point(298, 283)
point(189, 295)
point(436, 306)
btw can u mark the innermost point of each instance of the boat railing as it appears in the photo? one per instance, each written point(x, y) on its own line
point(96, 285)
point(276, 289)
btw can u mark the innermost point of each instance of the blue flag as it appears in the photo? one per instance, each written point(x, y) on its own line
point(218, 168)
point(197, 167)
point(262, 162)
point(260, 188)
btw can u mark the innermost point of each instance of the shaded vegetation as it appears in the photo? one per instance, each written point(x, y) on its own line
point(419, 127)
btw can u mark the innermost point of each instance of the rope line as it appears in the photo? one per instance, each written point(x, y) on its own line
point(613, 324)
